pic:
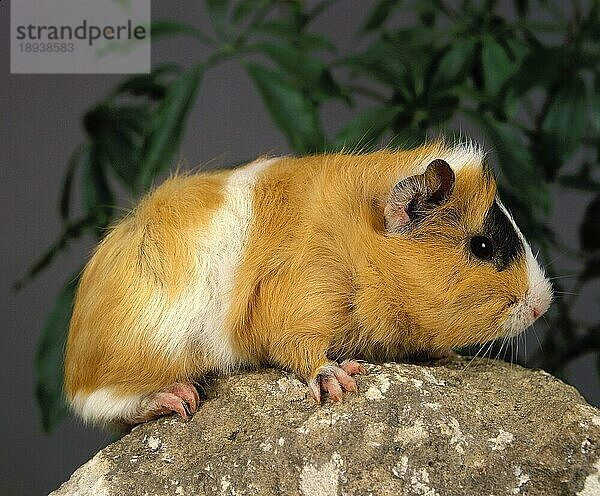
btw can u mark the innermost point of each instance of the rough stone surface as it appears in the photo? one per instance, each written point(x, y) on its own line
point(458, 427)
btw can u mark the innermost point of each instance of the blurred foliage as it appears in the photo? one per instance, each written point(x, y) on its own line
point(532, 87)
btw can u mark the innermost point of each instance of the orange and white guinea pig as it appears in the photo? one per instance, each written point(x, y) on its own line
point(300, 263)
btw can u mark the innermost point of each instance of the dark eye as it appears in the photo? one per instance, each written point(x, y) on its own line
point(482, 247)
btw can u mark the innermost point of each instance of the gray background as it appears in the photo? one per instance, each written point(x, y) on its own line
point(40, 127)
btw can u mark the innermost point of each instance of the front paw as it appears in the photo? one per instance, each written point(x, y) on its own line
point(333, 378)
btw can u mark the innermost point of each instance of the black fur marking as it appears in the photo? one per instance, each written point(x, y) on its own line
point(508, 246)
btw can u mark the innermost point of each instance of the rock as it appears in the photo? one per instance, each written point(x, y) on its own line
point(458, 427)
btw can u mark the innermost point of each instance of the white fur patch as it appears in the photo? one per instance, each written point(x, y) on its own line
point(197, 318)
point(539, 292)
point(467, 154)
point(103, 406)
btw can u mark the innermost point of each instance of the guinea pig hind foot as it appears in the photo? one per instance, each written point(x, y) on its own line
point(333, 378)
point(181, 398)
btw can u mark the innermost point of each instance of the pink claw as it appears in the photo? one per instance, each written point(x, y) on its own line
point(181, 398)
point(186, 392)
point(333, 379)
point(352, 367)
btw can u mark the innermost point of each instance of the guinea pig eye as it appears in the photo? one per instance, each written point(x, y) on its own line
point(481, 247)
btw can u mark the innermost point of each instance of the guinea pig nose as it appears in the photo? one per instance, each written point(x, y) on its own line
point(536, 312)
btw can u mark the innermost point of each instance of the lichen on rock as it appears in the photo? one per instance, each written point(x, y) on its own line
point(457, 427)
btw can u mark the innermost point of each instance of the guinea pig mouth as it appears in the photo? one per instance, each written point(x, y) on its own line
point(525, 311)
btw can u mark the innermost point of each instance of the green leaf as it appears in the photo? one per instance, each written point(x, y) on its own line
point(413, 47)
point(378, 15)
point(310, 72)
point(589, 231)
point(119, 150)
point(166, 128)
point(217, 9)
point(70, 230)
point(362, 131)
point(563, 128)
point(582, 180)
point(427, 16)
point(441, 108)
point(40, 264)
point(453, 65)
point(516, 50)
point(290, 109)
point(49, 359)
point(319, 8)
point(65, 195)
point(407, 136)
point(98, 199)
point(516, 161)
point(522, 7)
point(593, 106)
point(382, 62)
point(168, 27)
point(246, 7)
point(294, 61)
point(565, 122)
point(542, 67)
point(289, 32)
point(117, 138)
point(153, 85)
point(591, 268)
point(95, 118)
point(496, 64)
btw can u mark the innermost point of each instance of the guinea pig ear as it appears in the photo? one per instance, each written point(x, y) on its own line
point(411, 197)
point(440, 176)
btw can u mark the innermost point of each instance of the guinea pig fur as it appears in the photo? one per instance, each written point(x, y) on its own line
point(300, 263)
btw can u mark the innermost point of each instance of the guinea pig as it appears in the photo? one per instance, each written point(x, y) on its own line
point(299, 263)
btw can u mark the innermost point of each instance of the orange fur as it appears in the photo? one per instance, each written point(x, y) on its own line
point(320, 278)
point(148, 254)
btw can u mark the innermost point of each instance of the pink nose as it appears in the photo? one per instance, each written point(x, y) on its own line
point(535, 311)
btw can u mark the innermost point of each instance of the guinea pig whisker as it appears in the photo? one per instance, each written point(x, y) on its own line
point(499, 354)
point(521, 344)
point(511, 349)
point(558, 297)
point(489, 348)
point(500, 349)
point(561, 277)
point(566, 293)
point(514, 349)
point(553, 260)
point(473, 357)
point(538, 339)
point(503, 350)
point(476, 355)
point(505, 344)
point(546, 321)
